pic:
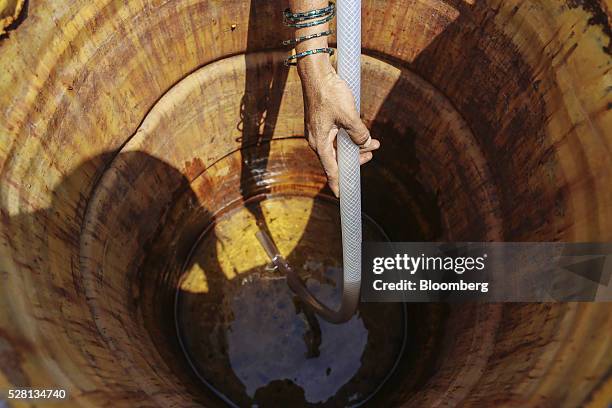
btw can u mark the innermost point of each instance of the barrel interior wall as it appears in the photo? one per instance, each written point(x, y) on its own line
point(133, 125)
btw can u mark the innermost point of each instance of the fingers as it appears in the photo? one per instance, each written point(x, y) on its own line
point(330, 164)
point(355, 128)
point(369, 146)
point(327, 155)
point(358, 132)
point(365, 157)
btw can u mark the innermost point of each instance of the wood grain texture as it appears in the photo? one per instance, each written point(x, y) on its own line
point(126, 125)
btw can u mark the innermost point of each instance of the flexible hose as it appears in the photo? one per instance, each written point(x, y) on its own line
point(349, 69)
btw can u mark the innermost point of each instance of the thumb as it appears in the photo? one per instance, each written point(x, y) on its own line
point(355, 128)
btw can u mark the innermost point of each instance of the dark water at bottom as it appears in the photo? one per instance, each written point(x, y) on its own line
point(249, 338)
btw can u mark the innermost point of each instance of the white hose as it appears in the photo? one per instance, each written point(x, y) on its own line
point(349, 69)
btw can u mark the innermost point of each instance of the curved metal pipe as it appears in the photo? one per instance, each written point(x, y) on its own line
point(348, 305)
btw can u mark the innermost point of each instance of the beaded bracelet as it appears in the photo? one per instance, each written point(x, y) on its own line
point(291, 60)
point(295, 41)
point(313, 23)
point(306, 19)
point(307, 15)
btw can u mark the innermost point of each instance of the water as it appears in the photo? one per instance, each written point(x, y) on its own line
point(252, 341)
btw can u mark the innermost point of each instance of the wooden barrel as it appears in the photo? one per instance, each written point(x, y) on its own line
point(129, 127)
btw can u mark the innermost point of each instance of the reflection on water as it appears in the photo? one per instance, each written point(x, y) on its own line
point(251, 340)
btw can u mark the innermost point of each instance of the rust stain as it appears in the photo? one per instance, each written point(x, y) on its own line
point(600, 15)
point(194, 168)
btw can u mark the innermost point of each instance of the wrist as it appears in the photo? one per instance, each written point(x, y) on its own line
point(314, 67)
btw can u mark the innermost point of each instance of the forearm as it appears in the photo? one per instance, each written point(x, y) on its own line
point(317, 65)
point(328, 102)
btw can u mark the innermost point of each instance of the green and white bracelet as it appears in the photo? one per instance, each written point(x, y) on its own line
point(295, 41)
point(292, 59)
point(312, 23)
point(305, 19)
point(294, 18)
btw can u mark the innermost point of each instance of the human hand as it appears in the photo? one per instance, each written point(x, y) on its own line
point(328, 106)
